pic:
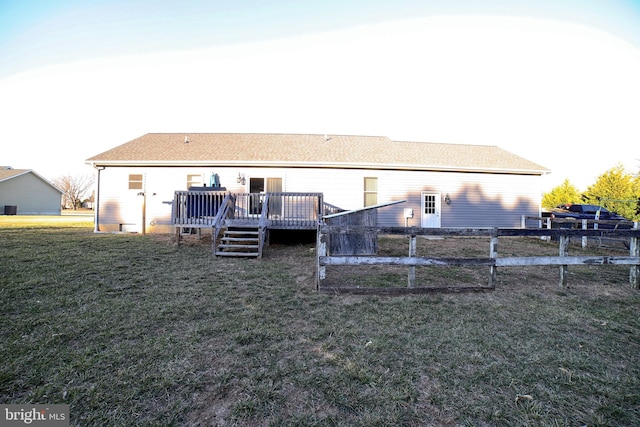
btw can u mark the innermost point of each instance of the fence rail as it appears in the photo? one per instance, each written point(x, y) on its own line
point(563, 260)
point(547, 222)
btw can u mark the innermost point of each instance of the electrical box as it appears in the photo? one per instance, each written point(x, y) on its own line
point(408, 213)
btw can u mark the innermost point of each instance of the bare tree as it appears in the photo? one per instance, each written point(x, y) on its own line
point(74, 189)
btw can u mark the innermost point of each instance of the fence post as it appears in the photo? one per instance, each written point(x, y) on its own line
point(321, 251)
point(548, 227)
point(412, 253)
point(564, 269)
point(634, 251)
point(584, 238)
point(493, 253)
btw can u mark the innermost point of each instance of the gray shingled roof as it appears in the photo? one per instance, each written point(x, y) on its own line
point(237, 149)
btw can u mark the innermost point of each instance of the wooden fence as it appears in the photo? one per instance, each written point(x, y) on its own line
point(563, 260)
point(584, 224)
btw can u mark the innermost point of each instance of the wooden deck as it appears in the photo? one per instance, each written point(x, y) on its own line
point(286, 211)
point(222, 212)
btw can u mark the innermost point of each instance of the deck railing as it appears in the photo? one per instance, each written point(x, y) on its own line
point(290, 210)
point(225, 211)
point(196, 208)
point(280, 210)
point(329, 209)
point(276, 210)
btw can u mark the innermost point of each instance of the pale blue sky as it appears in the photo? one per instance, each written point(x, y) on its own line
point(38, 32)
point(547, 80)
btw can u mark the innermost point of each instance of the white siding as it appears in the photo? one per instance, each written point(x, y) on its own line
point(477, 200)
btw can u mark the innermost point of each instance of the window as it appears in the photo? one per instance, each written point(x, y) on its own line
point(430, 207)
point(135, 181)
point(194, 181)
point(370, 191)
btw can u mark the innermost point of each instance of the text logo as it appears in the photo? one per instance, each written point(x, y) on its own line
point(34, 415)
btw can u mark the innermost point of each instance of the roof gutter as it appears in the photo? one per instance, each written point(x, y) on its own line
point(328, 165)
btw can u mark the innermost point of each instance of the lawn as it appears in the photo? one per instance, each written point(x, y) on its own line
point(133, 330)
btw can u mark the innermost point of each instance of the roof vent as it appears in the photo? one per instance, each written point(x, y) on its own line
point(186, 139)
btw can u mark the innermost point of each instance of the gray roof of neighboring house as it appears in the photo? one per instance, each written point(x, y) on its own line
point(293, 150)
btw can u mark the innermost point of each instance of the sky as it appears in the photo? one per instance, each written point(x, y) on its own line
point(556, 82)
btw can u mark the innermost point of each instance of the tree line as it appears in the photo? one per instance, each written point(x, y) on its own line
point(616, 190)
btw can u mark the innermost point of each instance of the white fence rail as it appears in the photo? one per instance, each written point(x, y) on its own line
point(563, 260)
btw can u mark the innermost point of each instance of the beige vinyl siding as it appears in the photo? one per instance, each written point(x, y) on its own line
point(30, 194)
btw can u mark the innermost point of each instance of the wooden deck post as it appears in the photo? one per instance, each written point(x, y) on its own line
point(493, 253)
point(321, 249)
point(564, 251)
point(548, 226)
point(412, 253)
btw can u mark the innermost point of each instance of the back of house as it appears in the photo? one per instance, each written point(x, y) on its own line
point(443, 185)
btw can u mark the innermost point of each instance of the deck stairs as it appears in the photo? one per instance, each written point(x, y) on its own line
point(240, 241)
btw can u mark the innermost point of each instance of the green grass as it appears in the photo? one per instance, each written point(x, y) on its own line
point(68, 220)
point(132, 330)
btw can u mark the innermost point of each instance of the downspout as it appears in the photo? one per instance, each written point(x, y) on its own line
point(96, 219)
point(144, 204)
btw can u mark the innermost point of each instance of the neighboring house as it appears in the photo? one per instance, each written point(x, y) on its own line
point(444, 185)
point(24, 192)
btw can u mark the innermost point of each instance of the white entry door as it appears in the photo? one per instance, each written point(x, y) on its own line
point(132, 212)
point(430, 217)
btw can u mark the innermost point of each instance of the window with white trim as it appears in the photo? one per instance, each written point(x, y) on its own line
point(370, 191)
point(194, 180)
point(135, 181)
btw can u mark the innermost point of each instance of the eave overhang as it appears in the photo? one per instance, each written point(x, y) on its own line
point(319, 165)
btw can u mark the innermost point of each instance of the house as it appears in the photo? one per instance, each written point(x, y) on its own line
point(443, 185)
point(24, 192)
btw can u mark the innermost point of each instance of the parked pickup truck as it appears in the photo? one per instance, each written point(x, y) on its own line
point(579, 212)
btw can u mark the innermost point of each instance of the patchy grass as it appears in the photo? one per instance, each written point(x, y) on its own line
point(132, 330)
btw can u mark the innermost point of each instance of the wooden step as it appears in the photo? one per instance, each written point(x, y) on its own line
point(238, 254)
point(241, 232)
point(239, 241)
point(223, 246)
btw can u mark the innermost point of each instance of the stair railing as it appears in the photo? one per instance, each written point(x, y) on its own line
point(262, 224)
point(226, 211)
